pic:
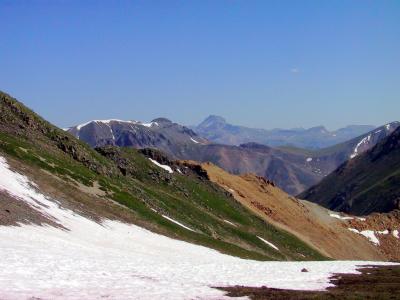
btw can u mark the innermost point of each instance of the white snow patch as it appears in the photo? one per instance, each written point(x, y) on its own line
point(365, 140)
point(113, 260)
point(340, 217)
point(369, 234)
point(149, 124)
point(79, 127)
point(165, 167)
point(112, 133)
point(309, 159)
point(177, 223)
point(388, 126)
point(179, 171)
point(269, 243)
point(230, 223)
point(383, 232)
point(396, 233)
point(361, 219)
point(378, 131)
point(193, 140)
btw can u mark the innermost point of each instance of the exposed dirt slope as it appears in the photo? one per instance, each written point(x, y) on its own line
point(313, 224)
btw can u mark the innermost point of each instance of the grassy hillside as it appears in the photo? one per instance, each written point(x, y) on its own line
point(131, 179)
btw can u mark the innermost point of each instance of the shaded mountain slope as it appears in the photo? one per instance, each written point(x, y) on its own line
point(369, 182)
point(125, 185)
point(218, 130)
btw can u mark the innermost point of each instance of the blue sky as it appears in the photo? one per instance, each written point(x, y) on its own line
point(258, 63)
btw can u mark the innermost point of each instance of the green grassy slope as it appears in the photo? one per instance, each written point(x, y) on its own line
point(131, 179)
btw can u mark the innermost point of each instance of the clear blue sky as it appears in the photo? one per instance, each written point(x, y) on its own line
point(257, 63)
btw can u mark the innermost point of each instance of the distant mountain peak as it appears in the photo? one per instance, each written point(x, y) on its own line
point(112, 121)
point(216, 129)
point(318, 129)
point(161, 121)
point(213, 120)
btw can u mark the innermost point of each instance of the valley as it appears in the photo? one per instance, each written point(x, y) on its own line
point(292, 169)
point(144, 206)
point(199, 150)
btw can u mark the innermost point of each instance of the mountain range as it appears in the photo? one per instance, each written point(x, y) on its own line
point(218, 130)
point(292, 169)
point(123, 219)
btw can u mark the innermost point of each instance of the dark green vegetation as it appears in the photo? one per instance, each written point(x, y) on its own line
point(374, 283)
point(130, 178)
point(367, 183)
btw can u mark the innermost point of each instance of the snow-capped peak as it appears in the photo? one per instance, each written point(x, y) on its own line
point(107, 122)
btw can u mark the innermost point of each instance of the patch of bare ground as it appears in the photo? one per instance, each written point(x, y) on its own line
point(309, 222)
point(375, 282)
point(15, 213)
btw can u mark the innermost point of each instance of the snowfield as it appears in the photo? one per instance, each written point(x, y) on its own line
point(113, 260)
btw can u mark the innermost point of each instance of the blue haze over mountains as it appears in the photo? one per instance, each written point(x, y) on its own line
point(217, 129)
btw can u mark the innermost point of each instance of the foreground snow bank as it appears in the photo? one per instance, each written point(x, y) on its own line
point(120, 261)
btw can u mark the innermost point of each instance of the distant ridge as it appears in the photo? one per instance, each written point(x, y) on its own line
point(217, 129)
